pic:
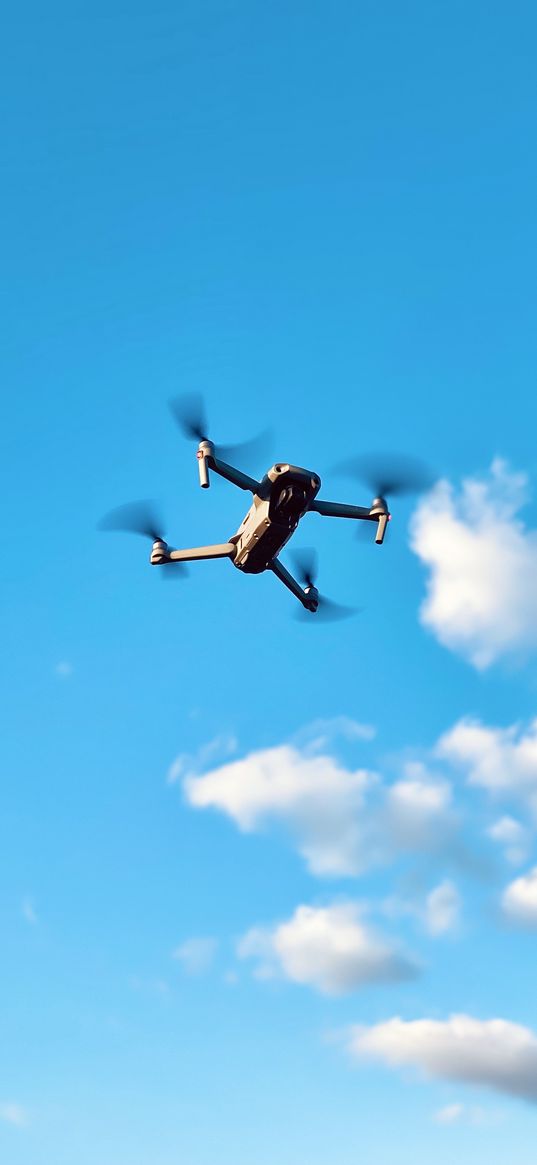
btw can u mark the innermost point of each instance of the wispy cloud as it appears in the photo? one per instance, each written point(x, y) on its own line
point(481, 597)
point(196, 954)
point(464, 1114)
point(188, 763)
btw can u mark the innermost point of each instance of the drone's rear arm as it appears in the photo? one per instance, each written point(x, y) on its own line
point(287, 579)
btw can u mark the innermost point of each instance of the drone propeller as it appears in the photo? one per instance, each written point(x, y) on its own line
point(191, 415)
point(389, 473)
point(140, 518)
point(306, 567)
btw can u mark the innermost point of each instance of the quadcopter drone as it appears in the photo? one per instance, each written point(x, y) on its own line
point(281, 499)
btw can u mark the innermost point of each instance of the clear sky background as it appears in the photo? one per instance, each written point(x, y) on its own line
point(323, 217)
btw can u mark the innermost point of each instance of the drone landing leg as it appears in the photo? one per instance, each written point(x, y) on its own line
point(287, 579)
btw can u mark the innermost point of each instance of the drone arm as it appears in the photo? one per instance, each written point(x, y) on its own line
point(340, 510)
point(219, 550)
point(235, 476)
point(287, 579)
point(207, 461)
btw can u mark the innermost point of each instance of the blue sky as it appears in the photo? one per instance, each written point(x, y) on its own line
point(236, 848)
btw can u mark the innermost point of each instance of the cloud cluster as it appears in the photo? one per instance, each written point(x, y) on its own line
point(481, 599)
point(343, 820)
point(490, 1053)
point(329, 948)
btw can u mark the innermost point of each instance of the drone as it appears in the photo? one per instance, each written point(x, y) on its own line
point(280, 500)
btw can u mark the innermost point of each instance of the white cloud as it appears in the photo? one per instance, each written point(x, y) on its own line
point(491, 1053)
point(416, 805)
point(329, 948)
point(519, 899)
point(13, 1114)
point(513, 836)
point(196, 954)
point(481, 597)
point(442, 908)
point(501, 760)
point(344, 821)
point(319, 800)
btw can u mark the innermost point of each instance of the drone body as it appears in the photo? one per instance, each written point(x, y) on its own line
point(279, 502)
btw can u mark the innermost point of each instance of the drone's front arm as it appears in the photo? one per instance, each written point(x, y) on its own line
point(377, 513)
point(207, 461)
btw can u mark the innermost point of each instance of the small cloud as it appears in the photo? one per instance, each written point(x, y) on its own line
point(503, 761)
point(28, 911)
point(13, 1114)
point(513, 836)
point(196, 954)
point(64, 669)
point(442, 908)
point(519, 900)
point(330, 948)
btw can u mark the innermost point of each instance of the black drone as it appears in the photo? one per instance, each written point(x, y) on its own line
point(280, 500)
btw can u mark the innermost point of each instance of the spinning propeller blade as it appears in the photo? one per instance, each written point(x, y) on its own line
point(306, 566)
point(191, 415)
point(141, 518)
point(389, 474)
point(135, 518)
